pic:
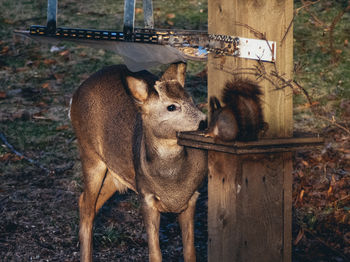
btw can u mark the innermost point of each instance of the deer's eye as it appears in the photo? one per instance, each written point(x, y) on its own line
point(171, 108)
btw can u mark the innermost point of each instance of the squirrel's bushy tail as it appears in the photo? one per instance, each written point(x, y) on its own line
point(243, 98)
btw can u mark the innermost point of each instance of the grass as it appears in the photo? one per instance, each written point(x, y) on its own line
point(324, 79)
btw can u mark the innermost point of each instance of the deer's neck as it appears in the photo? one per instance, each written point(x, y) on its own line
point(162, 149)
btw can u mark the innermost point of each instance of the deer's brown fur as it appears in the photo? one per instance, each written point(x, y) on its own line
point(126, 126)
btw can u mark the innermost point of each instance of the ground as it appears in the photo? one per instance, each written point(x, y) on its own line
point(39, 190)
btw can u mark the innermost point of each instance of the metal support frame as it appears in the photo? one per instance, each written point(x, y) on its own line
point(51, 16)
point(193, 45)
point(129, 18)
point(148, 14)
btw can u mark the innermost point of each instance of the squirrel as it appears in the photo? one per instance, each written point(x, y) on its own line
point(241, 118)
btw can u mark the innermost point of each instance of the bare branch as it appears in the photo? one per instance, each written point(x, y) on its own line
point(11, 148)
point(313, 15)
point(331, 31)
point(296, 11)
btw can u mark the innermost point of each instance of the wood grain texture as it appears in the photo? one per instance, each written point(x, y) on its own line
point(222, 237)
point(197, 139)
point(249, 207)
point(249, 202)
point(260, 202)
point(244, 19)
point(287, 205)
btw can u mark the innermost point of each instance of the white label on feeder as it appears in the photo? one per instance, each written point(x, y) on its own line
point(257, 49)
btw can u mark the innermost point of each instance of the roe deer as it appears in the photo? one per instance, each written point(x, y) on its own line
point(126, 126)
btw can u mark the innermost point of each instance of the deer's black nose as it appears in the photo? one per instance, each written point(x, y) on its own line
point(203, 125)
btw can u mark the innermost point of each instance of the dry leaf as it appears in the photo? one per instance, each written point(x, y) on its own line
point(330, 190)
point(10, 157)
point(301, 195)
point(138, 11)
point(2, 94)
point(21, 69)
point(339, 51)
point(45, 85)
point(8, 21)
point(49, 61)
point(42, 104)
point(305, 163)
point(4, 50)
point(170, 16)
point(64, 127)
point(5, 157)
point(64, 53)
point(170, 22)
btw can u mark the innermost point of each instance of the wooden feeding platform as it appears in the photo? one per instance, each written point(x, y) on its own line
point(265, 145)
point(249, 196)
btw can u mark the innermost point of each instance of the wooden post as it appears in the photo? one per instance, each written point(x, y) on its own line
point(249, 202)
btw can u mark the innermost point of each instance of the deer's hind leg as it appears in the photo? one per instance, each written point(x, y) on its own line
point(98, 188)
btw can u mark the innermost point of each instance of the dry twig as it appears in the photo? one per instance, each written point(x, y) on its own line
point(296, 11)
point(330, 28)
point(11, 148)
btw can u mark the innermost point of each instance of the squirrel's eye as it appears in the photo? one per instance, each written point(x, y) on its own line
point(171, 108)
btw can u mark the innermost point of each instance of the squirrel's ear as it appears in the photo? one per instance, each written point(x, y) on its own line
point(138, 88)
point(176, 71)
point(214, 104)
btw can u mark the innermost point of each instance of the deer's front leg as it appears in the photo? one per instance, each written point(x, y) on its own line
point(186, 220)
point(151, 217)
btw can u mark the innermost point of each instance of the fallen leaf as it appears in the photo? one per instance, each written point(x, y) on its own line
point(306, 106)
point(339, 51)
point(170, 22)
point(138, 11)
point(82, 54)
point(2, 94)
point(5, 157)
point(8, 21)
point(170, 16)
point(45, 85)
point(63, 127)
point(330, 190)
point(346, 42)
point(49, 61)
point(4, 50)
point(301, 195)
point(41, 104)
point(10, 157)
point(64, 53)
point(21, 69)
point(305, 163)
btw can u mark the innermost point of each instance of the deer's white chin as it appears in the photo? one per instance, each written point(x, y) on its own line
point(168, 148)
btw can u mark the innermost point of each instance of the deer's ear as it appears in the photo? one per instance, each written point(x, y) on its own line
point(138, 88)
point(177, 72)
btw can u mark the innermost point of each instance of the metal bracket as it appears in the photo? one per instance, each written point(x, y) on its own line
point(257, 49)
